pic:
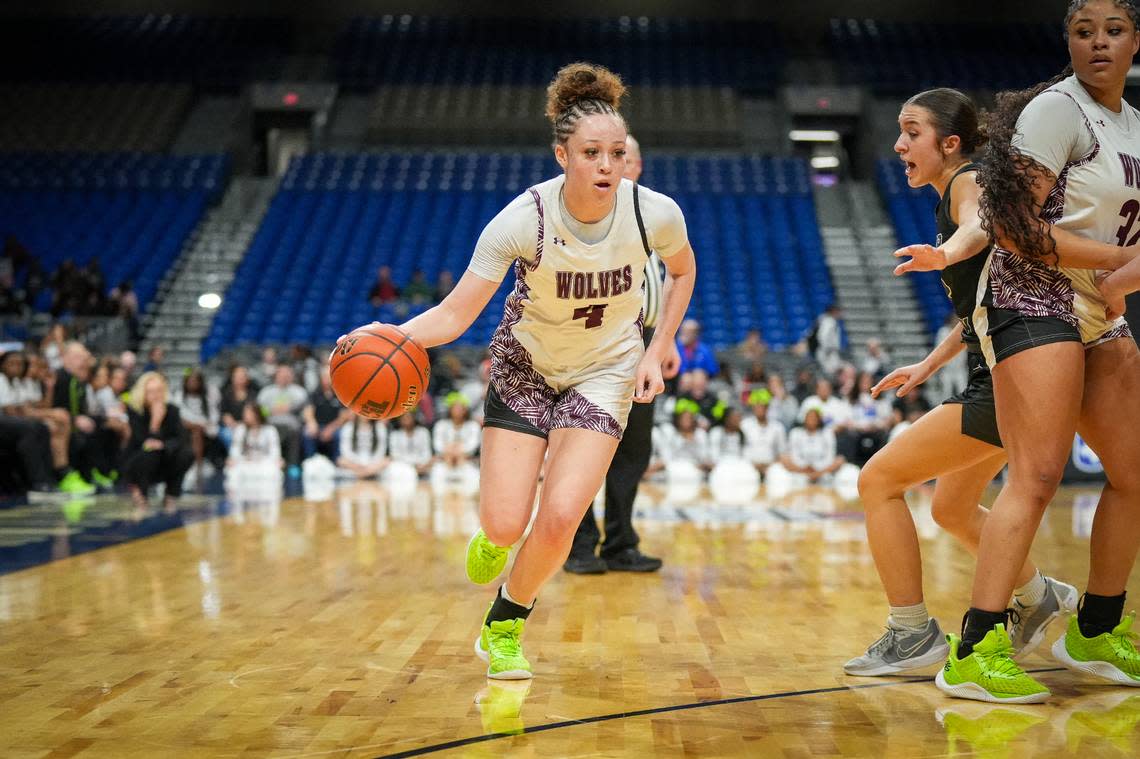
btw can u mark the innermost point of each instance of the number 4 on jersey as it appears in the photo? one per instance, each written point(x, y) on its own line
point(592, 314)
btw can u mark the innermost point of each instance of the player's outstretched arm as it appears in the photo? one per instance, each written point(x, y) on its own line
point(449, 319)
point(907, 378)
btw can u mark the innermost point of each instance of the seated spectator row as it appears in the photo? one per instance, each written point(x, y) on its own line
point(338, 218)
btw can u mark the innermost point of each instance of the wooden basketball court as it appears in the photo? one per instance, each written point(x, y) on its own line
point(344, 628)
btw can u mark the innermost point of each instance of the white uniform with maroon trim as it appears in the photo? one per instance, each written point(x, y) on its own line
point(566, 352)
point(1095, 155)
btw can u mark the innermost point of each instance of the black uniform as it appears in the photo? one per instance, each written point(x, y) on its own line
point(979, 417)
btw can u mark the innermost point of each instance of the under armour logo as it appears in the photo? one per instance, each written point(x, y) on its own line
point(559, 241)
point(1101, 122)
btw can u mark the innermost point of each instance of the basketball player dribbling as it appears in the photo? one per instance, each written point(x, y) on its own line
point(1061, 196)
point(567, 360)
point(958, 442)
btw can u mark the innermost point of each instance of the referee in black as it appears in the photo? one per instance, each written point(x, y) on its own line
point(619, 552)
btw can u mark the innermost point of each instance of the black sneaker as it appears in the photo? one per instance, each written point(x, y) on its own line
point(632, 560)
point(584, 564)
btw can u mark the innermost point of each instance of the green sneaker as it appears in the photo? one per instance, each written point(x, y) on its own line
point(485, 560)
point(1111, 656)
point(500, 646)
point(989, 673)
point(105, 481)
point(74, 485)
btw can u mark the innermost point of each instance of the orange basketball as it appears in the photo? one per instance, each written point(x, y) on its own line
point(379, 372)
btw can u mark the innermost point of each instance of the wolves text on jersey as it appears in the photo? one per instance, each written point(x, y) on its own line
point(593, 284)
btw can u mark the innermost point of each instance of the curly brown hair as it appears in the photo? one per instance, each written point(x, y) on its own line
point(1007, 207)
point(579, 90)
point(1007, 176)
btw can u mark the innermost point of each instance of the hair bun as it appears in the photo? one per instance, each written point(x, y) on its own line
point(580, 81)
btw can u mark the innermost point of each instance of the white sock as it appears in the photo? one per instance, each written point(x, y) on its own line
point(507, 597)
point(1032, 592)
point(910, 618)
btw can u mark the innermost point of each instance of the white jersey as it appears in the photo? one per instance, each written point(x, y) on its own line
point(766, 442)
point(410, 448)
point(577, 306)
point(1095, 155)
point(363, 441)
point(811, 449)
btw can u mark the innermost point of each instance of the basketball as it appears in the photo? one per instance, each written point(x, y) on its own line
point(379, 371)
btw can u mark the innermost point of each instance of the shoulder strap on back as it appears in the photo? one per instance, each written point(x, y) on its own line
point(640, 221)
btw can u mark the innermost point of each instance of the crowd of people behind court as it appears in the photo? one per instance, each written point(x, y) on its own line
point(72, 422)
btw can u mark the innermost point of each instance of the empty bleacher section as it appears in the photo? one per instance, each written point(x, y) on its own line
point(133, 212)
point(906, 57)
point(209, 52)
point(91, 118)
point(912, 213)
point(338, 217)
point(426, 50)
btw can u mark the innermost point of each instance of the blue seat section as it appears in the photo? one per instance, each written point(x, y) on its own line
point(902, 58)
point(131, 211)
point(338, 217)
point(912, 212)
point(212, 52)
point(646, 51)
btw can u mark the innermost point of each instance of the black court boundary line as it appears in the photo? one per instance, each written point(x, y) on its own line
point(662, 710)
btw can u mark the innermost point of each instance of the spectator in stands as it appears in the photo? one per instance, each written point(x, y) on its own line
point(158, 451)
point(199, 405)
point(306, 369)
point(21, 398)
point(783, 407)
point(324, 416)
point(10, 303)
point(418, 290)
point(811, 449)
point(805, 384)
point(456, 437)
point(28, 441)
point(385, 290)
point(828, 339)
point(254, 439)
point(475, 389)
point(93, 446)
point(155, 358)
point(96, 287)
point(410, 443)
point(446, 372)
point(877, 359)
point(444, 284)
point(751, 351)
point(870, 419)
point(52, 346)
point(69, 289)
point(106, 405)
point(237, 391)
point(125, 304)
point(683, 440)
point(363, 447)
point(694, 353)
point(129, 363)
point(120, 382)
point(727, 440)
point(954, 375)
point(263, 373)
point(709, 407)
point(283, 402)
point(834, 410)
point(766, 439)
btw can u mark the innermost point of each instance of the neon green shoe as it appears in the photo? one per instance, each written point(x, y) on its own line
point(74, 485)
point(1110, 656)
point(989, 673)
point(105, 481)
point(485, 560)
point(499, 644)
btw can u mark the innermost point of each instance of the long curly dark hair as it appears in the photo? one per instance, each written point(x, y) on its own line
point(1008, 209)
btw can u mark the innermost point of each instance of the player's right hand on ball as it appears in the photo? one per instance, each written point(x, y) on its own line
point(344, 337)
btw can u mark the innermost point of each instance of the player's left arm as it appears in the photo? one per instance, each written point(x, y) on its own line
point(967, 241)
point(680, 277)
